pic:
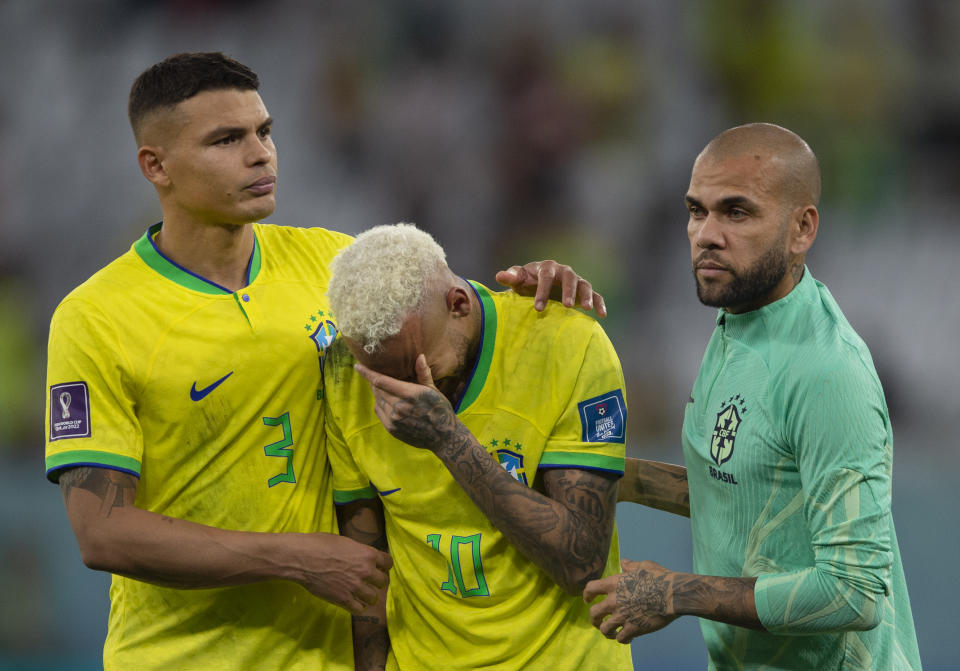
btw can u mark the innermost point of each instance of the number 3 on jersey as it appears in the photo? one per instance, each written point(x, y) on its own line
point(281, 448)
point(463, 550)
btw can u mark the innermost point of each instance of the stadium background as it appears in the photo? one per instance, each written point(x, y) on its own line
point(512, 131)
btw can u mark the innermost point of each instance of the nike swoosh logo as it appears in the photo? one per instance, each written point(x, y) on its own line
point(198, 394)
point(388, 492)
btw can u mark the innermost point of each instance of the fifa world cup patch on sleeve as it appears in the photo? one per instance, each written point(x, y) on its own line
point(603, 418)
point(69, 411)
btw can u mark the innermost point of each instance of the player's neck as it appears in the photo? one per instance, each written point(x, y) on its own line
point(455, 386)
point(218, 253)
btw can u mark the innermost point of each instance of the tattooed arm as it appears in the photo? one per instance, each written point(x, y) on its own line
point(647, 597)
point(566, 533)
point(656, 485)
point(114, 535)
point(363, 522)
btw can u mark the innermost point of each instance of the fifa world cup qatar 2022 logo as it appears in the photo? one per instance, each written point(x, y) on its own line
point(69, 410)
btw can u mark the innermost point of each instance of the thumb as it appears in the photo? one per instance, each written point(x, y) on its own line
point(424, 374)
point(510, 277)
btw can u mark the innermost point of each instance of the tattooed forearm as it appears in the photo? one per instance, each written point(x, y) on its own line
point(656, 485)
point(371, 643)
point(566, 532)
point(729, 600)
point(113, 488)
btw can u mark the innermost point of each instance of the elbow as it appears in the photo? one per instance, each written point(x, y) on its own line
point(94, 555)
point(96, 551)
point(870, 613)
point(574, 585)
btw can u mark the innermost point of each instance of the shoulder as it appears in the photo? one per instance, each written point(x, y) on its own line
point(821, 345)
point(564, 336)
point(567, 323)
point(299, 254)
point(121, 280)
point(315, 237)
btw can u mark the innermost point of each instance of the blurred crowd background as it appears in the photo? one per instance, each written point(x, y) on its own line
point(512, 131)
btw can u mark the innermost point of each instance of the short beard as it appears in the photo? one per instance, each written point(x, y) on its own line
point(752, 286)
point(466, 353)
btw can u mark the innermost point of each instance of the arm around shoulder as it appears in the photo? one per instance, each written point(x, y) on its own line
point(655, 484)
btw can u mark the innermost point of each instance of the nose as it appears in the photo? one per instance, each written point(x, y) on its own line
point(707, 233)
point(261, 150)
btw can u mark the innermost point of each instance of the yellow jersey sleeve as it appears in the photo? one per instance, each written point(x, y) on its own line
point(590, 432)
point(90, 408)
point(346, 392)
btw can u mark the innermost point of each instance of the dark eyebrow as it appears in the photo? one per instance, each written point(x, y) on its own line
point(227, 131)
point(737, 201)
point(725, 204)
point(222, 131)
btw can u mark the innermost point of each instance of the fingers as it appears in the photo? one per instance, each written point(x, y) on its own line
point(546, 279)
point(628, 632)
point(599, 305)
point(610, 627)
point(600, 611)
point(511, 277)
point(424, 374)
point(384, 561)
point(546, 275)
point(378, 579)
point(354, 606)
point(574, 288)
point(595, 588)
point(370, 376)
point(366, 594)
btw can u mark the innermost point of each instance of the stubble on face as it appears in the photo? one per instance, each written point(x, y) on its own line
point(750, 286)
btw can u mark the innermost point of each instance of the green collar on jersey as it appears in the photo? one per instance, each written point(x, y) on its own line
point(488, 339)
point(805, 289)
point(148, 251)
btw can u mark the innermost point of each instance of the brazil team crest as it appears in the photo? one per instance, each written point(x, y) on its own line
point(323, 335)
point(724, 433)
point(513, 464)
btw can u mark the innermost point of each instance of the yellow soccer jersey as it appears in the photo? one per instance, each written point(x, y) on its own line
point(214, 399)
point(547, 391)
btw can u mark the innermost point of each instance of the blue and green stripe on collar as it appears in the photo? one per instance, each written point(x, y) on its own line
point(146, 248)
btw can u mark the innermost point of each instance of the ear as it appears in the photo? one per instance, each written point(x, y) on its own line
point(458, 302)
point(806, 223)
point(150, 159)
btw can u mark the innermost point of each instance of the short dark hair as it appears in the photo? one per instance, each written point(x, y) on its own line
point(183, 76)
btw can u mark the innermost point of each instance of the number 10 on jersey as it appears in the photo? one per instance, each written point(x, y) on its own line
point(464, 552)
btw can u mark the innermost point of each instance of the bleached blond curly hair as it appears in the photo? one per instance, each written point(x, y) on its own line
point(381, 279)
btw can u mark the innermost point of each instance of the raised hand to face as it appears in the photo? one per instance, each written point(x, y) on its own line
point(414, 412)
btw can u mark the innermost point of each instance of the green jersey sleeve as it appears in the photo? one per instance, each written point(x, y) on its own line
point(842, 439)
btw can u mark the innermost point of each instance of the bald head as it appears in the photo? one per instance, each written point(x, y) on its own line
point(792, 166)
